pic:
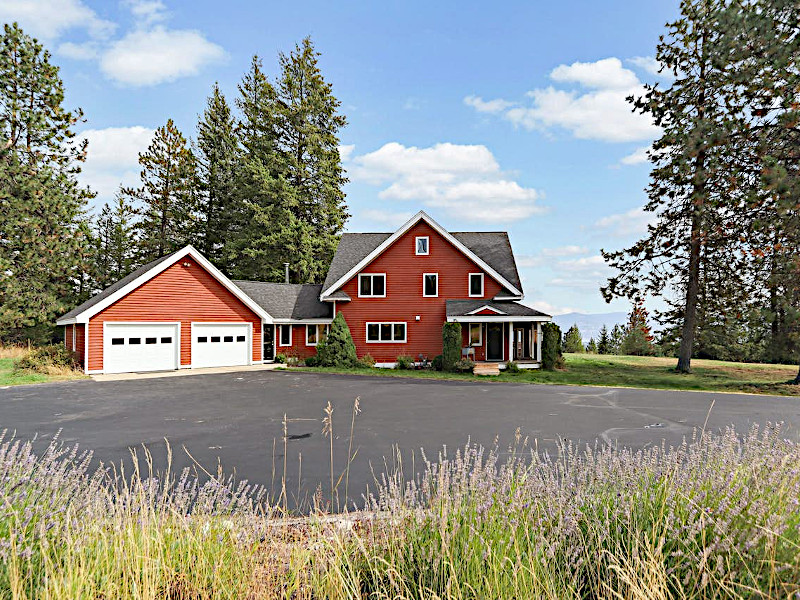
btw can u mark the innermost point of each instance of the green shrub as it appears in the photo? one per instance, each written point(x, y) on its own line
point(367, 361)
point(436, 363)
point(44, 359)
point(312, 361)
point(512, 367)
point(404, 362)
point(280, 358)
point(464, 365)
point(292, 361)
point(551, 346)
point(338, 349)
point(451, 345)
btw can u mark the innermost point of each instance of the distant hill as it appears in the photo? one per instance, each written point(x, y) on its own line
point(590, 325)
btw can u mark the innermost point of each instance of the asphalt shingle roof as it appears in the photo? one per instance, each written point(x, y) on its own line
point(493, 247)
point(460, 308)
point(288, 300)
point(116, 286)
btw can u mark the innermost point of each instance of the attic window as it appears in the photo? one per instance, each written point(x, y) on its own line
point(422, 246)
point(476, 285)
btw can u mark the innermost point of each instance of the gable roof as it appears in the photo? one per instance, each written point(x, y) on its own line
point(466, 308)
point(295, 301)
point(489, 249)
point(142, 275)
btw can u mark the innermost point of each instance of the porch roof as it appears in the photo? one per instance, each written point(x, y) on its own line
point(492, 310)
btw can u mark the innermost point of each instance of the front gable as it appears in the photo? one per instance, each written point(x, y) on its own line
point(421, 239)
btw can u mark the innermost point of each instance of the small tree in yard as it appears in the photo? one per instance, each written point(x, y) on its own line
point(551, 346)
point(338, 349)
point(604, 344)
point(572, 340)
point(591, 347)
point(638, 340)
point(617, 336)
point(451, 345)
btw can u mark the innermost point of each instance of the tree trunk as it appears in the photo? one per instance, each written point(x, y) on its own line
point(692, 291)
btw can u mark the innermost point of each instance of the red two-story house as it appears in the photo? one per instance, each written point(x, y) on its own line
point(395, 291)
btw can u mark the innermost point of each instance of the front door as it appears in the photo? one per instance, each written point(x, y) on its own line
point(494, 341)
point(269, 342)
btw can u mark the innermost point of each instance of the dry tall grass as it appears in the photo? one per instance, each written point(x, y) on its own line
point(14, 351)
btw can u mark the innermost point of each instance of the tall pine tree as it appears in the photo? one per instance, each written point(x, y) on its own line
point(41, 202)
point(167, 197)
point(220, 213)
point(115, 243)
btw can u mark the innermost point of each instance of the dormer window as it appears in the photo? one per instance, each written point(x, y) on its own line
point(423, 248)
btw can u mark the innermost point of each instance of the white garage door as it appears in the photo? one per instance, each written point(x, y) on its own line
point(140, 347)
point(220, 344)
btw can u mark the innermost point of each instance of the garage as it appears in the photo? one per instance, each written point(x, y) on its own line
point(140, 347)
point(220, 344)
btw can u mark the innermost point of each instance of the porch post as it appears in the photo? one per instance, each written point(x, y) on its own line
point(539, 342)
point(510, 341)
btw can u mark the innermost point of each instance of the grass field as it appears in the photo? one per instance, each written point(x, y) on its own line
point(635, 371)
point(8, 376)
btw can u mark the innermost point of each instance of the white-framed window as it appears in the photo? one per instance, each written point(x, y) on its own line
point(386, 333)
point(475, 334)
point(430, 285)
point(316, 333)
point(284, 335)
point(476, 285)
point(372, 285)
point(422, 245)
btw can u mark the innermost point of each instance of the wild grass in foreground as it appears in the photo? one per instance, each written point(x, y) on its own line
point(716, 517)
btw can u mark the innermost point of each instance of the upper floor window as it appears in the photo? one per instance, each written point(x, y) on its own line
point(476, 285)
point(422, 246)
point(372, 285)
point(430, 285)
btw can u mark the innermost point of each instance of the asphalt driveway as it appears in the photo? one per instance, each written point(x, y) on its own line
point(236, 419)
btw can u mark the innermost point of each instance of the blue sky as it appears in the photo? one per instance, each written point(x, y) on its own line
point(490, 117)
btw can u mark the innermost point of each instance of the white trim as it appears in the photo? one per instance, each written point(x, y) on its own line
point(392, 323)
point(86, 347)
point(280, 343)
point(469, 334)
point(103, 341)
point(74, 338)
point(424, 295)
point(301, 322)
point(496, 318)
point(427, 239)
point(360, 275)
point(84, 316)
point(421, 215)
point(469, 285)
point(496, 311)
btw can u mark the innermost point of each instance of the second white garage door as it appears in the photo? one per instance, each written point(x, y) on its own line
point(220, 344)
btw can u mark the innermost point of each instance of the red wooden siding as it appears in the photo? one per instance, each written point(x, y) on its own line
point(404, 299)
point(179, 293)
point(298, 347)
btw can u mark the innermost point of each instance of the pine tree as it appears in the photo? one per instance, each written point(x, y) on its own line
point(638, 340)
point(572, 340)
point(115, 243)
point(338, 348)
point(603, 345)
point(591, 347)
point(695, 179)
point(617, 336)
point(307, 123)
point(221, 213)
point(41, 203)
point(167, 197)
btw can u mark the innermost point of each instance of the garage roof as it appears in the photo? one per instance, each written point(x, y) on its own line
point(294, 301)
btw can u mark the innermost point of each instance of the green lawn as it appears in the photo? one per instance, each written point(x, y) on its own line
point(9, 377)
point(632, 371)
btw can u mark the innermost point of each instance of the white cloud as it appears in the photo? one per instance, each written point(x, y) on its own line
point(113, 158)
point(150, 57)
point(650, 65)
point(487, 106)
point(547, 255)
point(627, 224)
point(382, 217)
point(597, 110)
point(83, 51)
point(49, 19)
point(585, 273)
point(637, 157)
point(346, 151)
point(464, 180)
point(147, 11)
point(546, 307)
point(604, 74)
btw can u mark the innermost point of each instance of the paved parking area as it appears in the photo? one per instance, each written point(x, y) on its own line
point(236, 419)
